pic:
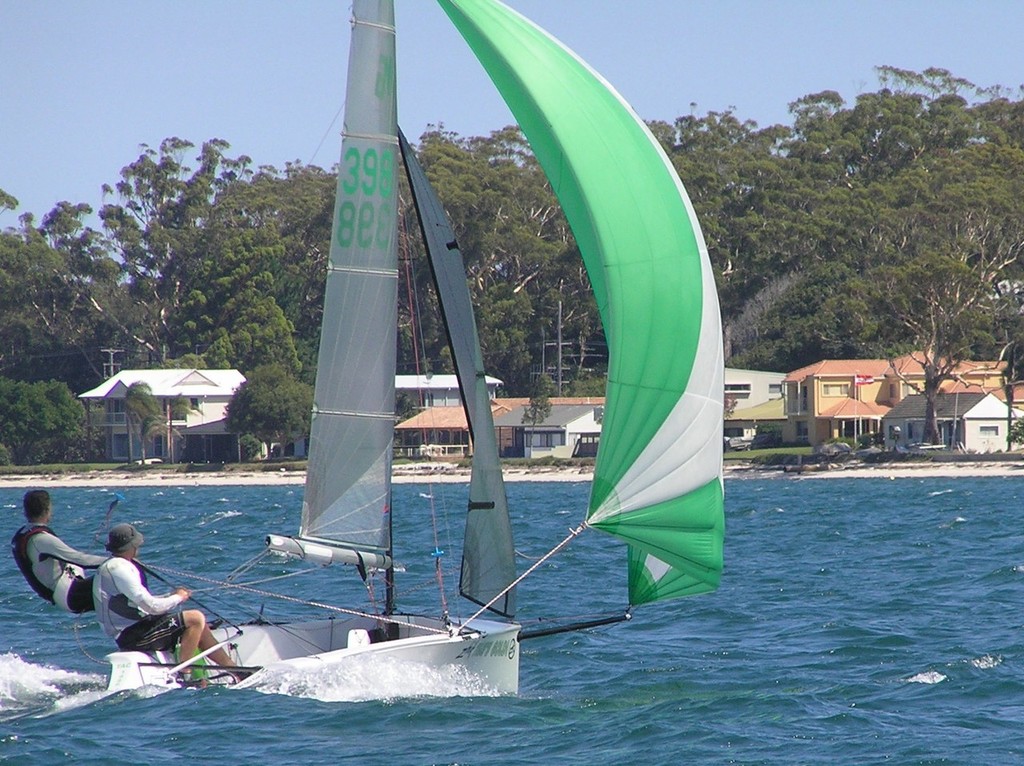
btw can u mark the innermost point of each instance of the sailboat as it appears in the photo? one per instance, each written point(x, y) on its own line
point(657, 482)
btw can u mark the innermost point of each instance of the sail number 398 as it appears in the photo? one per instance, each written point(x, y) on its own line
point(365, 215)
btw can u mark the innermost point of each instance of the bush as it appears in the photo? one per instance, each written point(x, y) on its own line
point(250, 448)
point(5, 455)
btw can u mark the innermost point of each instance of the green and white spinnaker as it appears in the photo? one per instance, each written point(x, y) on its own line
point(657, 482)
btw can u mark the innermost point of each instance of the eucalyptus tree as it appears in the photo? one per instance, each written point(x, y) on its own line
point(58, 297)
point(156, 230)
point(957, 235)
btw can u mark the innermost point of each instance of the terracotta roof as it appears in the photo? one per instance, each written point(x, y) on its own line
point(839, 367)
point(909, 363)
point(879, 368)
point(850, 409)
point(452, 418)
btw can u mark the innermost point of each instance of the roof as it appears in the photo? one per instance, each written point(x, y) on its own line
point(170, 383)
point(443, 418)
point(990, 408)
point(908, 364)
point(947, 406)
point(214, 427)
point(852, 409)
point(846, 368)
point(434, 382)
point(773, 409)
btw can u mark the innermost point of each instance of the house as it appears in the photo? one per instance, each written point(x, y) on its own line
point(750, 388)
point(571, 429)
point(744, 423)
point(967, 420)
point(198, 437)
point(847, 398)
point(752, 398)
point(438, 390)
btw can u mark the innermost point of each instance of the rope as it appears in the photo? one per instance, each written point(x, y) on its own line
point(572, 534)
point(295, 600)
point(81, 646)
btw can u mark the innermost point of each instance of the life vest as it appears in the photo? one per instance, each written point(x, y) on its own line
point(113, 608)
point(19, 549)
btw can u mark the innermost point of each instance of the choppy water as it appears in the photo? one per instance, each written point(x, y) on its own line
point(859, 621)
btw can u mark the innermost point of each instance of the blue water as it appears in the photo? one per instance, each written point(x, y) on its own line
point(859, 621)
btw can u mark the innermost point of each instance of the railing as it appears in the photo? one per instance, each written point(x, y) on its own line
point(108, 419)
point(433, 451)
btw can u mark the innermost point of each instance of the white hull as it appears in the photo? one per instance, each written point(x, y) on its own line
point(487, 649)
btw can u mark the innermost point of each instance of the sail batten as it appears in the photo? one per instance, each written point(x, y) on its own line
point(660, 456)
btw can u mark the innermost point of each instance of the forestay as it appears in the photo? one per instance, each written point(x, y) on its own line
point(657, 481)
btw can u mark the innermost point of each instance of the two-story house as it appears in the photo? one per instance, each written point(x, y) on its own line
point(198, 437)
point(847, 398)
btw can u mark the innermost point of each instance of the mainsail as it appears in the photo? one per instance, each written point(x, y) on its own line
point(657, 482)
point(488, 558)
point(347, 496)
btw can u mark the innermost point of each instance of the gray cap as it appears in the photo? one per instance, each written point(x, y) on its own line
point(122, 537)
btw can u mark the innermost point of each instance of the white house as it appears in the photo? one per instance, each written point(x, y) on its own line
point(751, 388)
point(439, 390)
point(569, 430)
point(200, 436)
point(972, 421)
point(985, 425)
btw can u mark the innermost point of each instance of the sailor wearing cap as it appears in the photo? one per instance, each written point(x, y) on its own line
point(135, 618)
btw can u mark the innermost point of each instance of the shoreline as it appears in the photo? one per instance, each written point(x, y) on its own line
point(444, 473)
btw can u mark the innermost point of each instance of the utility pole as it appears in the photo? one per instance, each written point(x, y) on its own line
point(111, 367)
point(559, 346)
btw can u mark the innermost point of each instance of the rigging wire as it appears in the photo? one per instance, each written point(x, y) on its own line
point(573, 533)
point(294, 599)
point(419, 349)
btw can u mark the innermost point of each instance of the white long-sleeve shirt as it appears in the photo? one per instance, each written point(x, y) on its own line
point(121, 598)
point(46, 552)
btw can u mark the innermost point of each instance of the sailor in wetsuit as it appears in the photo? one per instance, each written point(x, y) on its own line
point(50, 566)
point(135, 618)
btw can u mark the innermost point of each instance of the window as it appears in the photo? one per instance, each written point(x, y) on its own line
point(738, 390)
point(774, 389)
point(547, 439)
point(835, 389)
point(989, 430)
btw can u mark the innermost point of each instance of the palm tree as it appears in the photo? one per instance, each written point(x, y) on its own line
point(144, 417)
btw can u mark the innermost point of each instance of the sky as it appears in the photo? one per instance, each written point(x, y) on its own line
point(83, 85)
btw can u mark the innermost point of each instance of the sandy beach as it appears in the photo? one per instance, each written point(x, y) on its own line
point(449, 473)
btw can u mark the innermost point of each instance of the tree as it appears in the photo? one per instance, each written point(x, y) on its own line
point(958, 236)
point(271, 405)
point(144, 416)
point(39, 421)
point(157, 231)
point(539, 408)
